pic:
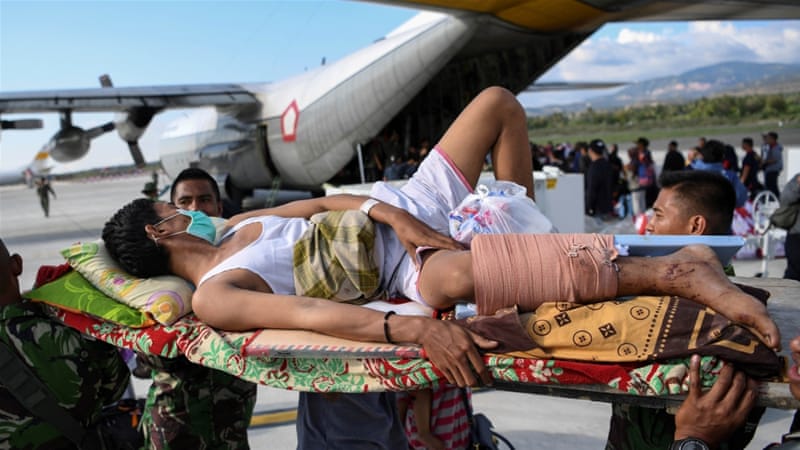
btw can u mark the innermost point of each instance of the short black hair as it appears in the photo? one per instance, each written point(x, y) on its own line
point(748, 141)
point(194, 173)
point(128, 243)
point(704, 193)
point(713, 151)
point(597, 146)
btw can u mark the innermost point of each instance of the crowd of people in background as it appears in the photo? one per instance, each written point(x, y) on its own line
point(614, 189)
point(615, 186)
point(387, 159)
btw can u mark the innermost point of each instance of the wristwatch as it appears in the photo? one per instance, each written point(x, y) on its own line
point(689, 443)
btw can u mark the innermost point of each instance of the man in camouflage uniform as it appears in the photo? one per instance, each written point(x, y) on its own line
point(83, 374)
point(191, 406)
point(194, 407)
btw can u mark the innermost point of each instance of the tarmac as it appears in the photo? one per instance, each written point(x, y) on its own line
point(528, 421)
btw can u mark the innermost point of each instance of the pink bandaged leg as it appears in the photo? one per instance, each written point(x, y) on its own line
point(529, 269)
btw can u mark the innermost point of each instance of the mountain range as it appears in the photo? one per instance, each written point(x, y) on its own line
point(728, 78)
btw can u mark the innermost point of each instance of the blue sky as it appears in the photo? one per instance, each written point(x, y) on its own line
point(51, 45)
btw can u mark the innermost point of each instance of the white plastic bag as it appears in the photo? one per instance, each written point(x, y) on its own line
point(497, 207)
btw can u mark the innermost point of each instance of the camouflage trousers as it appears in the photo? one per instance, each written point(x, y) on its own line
point(638, 428)
point(194, 407)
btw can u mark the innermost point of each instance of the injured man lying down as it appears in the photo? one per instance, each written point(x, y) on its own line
point(283, 268)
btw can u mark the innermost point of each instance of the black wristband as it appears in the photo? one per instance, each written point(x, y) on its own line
point(386, 334)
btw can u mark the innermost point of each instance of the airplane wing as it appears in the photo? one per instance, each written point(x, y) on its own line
point(136, 107)
point(576, 15)
point(573, 20)
point(125, 98)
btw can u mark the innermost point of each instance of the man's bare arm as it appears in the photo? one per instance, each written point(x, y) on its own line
point(412, 232)
point(305, 208)
point(450, 347)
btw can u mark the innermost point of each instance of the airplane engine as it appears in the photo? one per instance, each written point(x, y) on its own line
point(69, 144)
point(131, 125)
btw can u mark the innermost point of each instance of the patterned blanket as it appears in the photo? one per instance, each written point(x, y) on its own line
point(288, 368)
point(639, 329)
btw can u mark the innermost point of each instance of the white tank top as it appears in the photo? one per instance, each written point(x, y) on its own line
point(270, 255)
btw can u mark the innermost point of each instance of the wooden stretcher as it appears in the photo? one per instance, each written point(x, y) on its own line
point(307, 361)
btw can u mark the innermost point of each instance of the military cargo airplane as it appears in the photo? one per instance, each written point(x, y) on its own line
point(307, 128)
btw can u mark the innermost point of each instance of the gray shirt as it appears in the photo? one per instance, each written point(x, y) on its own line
point(774, 153)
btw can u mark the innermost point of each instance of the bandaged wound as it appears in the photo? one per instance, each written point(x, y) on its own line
point(529, 269)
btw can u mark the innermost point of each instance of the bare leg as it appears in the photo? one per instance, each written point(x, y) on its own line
point(693, 272)
point(423, 403)
point(446, 278)
point(494, 121)
point(402, 406)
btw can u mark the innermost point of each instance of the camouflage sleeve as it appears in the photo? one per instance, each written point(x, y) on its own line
point(83, 374)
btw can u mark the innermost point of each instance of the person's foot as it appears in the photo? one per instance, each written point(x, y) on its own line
point(695, 273)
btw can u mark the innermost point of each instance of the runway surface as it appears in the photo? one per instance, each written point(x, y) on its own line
point(529, 421)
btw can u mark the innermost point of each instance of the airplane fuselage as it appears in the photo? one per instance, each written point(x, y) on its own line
point(308, 126)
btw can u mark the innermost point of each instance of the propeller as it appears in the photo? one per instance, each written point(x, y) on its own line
point(94, 132)
point(71, 142)
point(105, 81)
point(21, 124)
point(131, 125)
point(91, 133)
point(136, 153)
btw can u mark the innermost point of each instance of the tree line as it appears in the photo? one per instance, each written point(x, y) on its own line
point(722, 110)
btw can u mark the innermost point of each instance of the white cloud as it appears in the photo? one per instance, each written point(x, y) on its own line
point(712, 27)
point(778, 42)
point(628, 36)
point(642, 52)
